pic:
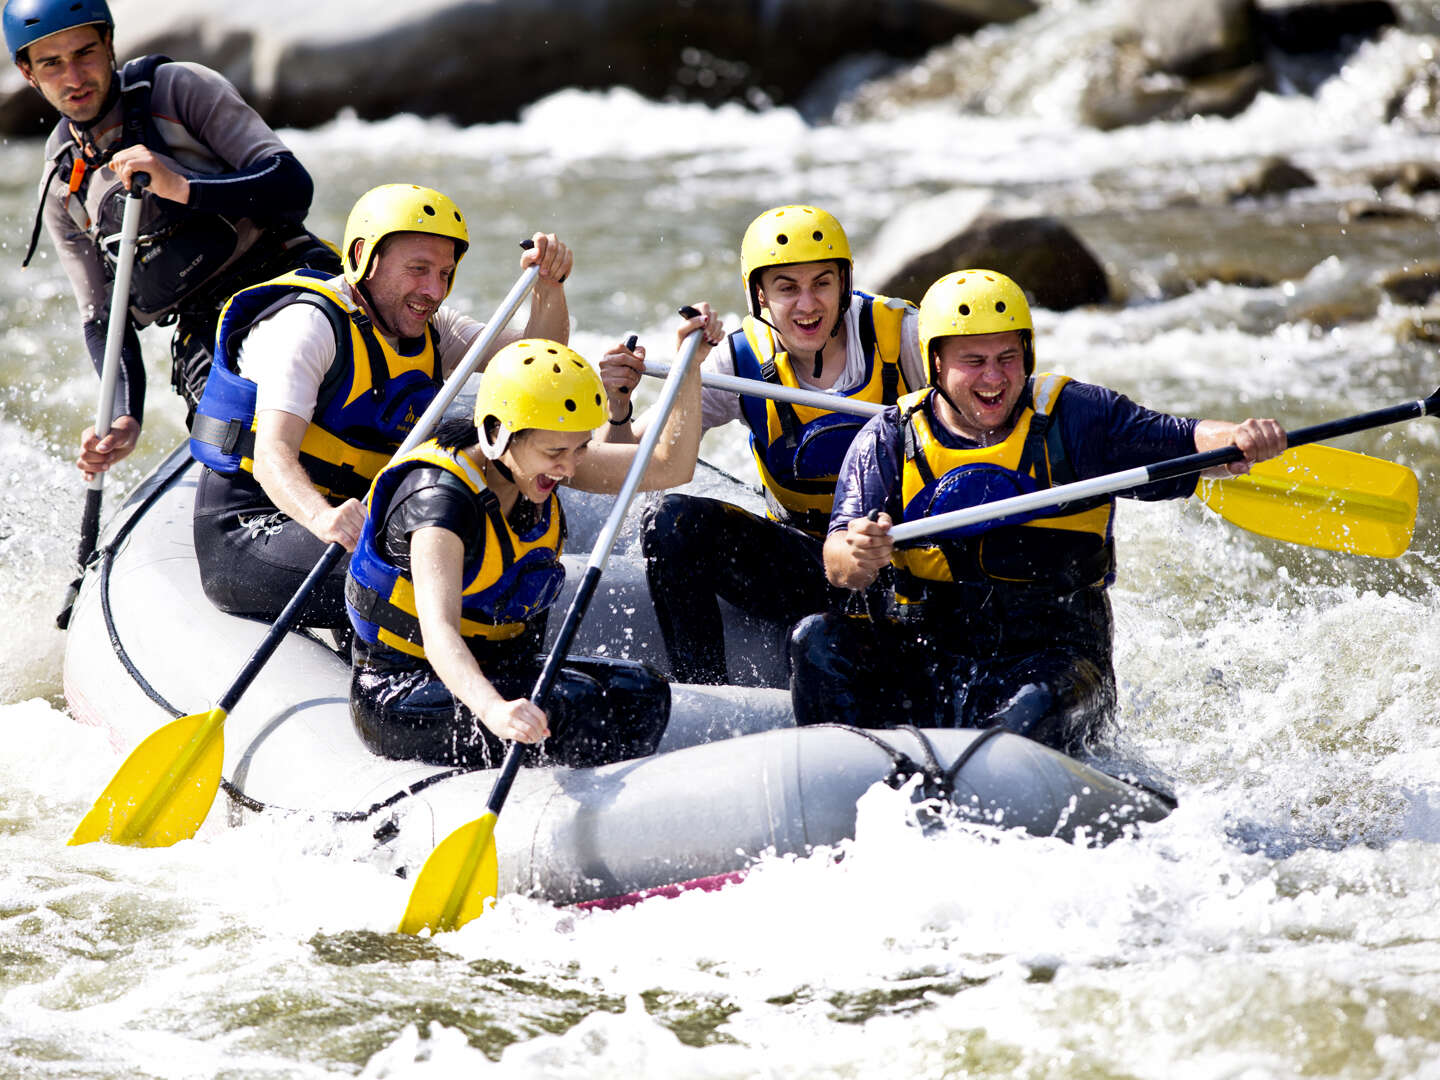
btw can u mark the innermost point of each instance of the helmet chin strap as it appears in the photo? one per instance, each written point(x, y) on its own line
point(820, 352)
point(84, 129)
point(375, 316)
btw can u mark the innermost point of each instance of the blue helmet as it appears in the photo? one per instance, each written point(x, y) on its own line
point(27, 21)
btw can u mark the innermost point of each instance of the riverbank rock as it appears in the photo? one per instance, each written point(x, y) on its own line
point(1127, 64)
point(1275, 176)
point(1413, 285)
point(482, 60)
point(1046, 259)
point(1307, 26)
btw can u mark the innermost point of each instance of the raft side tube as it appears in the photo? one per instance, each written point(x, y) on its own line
point(713, 809)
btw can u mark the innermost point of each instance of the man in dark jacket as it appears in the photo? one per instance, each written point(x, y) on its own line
point(225, 206)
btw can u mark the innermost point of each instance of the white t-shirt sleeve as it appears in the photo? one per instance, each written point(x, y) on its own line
point(718, 407)
point(912, 364)
point(286, 356)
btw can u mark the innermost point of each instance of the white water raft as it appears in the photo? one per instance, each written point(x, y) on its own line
point(733, 778)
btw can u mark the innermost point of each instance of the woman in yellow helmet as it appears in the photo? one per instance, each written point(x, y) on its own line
point(1006, 622)
point(459, 562)
point(807, 327)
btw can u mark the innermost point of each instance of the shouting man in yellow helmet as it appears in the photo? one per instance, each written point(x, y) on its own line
point(808, 327)
point(318, 379)
point(1005, 622)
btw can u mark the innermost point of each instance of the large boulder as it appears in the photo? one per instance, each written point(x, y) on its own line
point(482, 60)
point(1044, 257)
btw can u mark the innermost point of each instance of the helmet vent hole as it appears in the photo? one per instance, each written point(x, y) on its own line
point(1000, 306)
point(569, 405)
point(430, 210)
point(597, 399)
point(529, 360)
point(964, 309)
point(782, 239)
point(556, 368)
point(817, 235)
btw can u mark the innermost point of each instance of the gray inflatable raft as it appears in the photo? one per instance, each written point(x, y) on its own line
point(733, 778)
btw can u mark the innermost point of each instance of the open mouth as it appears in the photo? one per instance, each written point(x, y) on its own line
point(546, 484)
point(808, 326)
point(990, 400)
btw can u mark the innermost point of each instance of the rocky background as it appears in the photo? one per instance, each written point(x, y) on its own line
point(480, 61)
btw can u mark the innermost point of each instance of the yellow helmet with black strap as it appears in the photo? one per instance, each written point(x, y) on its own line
point(534, 383)
point(974, 302)
point(787, 236)
point(399, 208)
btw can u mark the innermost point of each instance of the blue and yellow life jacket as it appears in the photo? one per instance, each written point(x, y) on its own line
point(507, 580)
point(798, 449)
point(363, 410)
point(1069, 546)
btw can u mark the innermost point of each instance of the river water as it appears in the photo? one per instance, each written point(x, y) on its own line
point(1280, 924)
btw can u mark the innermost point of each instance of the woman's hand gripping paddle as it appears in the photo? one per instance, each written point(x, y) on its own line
point(1374, 502)
point(166, 787)
point(1319, 496)
point(109, 376)
point(462, 873)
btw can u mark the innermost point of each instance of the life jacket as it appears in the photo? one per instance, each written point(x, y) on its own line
point(371, 395)
point(1066, 547)
point(509, 579)
point(178, 249)
point(798, 449)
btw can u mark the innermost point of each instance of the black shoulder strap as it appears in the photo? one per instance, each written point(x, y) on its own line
point(137, 84)
point(40, 213)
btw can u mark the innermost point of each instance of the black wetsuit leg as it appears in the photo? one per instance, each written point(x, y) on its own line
point(600, 711)
point(848, 669)
point(699, 551)
point(253, 558)
point(1058, 696)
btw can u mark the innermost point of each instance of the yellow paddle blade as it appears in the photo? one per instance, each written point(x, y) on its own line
point(1322, 497)
point(460, 875)
point(164, 789)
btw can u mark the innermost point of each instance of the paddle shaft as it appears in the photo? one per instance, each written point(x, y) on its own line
point(599, 555)
point(109, 375)
point(1112, 483)
point(815, 399)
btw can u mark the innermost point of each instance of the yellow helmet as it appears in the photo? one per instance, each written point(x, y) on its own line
point(399, 208)
point(974, 302)
point(788, 235)
point(536, 383)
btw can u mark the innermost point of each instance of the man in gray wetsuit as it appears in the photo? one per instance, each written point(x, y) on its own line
point(225, 205)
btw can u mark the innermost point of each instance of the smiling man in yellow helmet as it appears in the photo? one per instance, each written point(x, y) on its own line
point(808, 327)
point(1005, 622)
point(459, 562)
point(316, 382)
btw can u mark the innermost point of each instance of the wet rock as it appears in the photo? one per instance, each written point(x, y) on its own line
point(1053, 265)
point(1362, 210)
point(1413, 285)
point(482, 60)
point(1411, 178)
point(1276, 176)
point(1198, 37)
point(1308, 26)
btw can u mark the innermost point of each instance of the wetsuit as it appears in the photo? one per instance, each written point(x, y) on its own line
point(1004, 623)
point(244, 221)
point(700, 551)
point(599, 710)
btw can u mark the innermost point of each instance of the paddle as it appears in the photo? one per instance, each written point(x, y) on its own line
point(166, 787)
point(462, 873)
point(109, 376)
point(1394, 514)
point(1326, 498)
